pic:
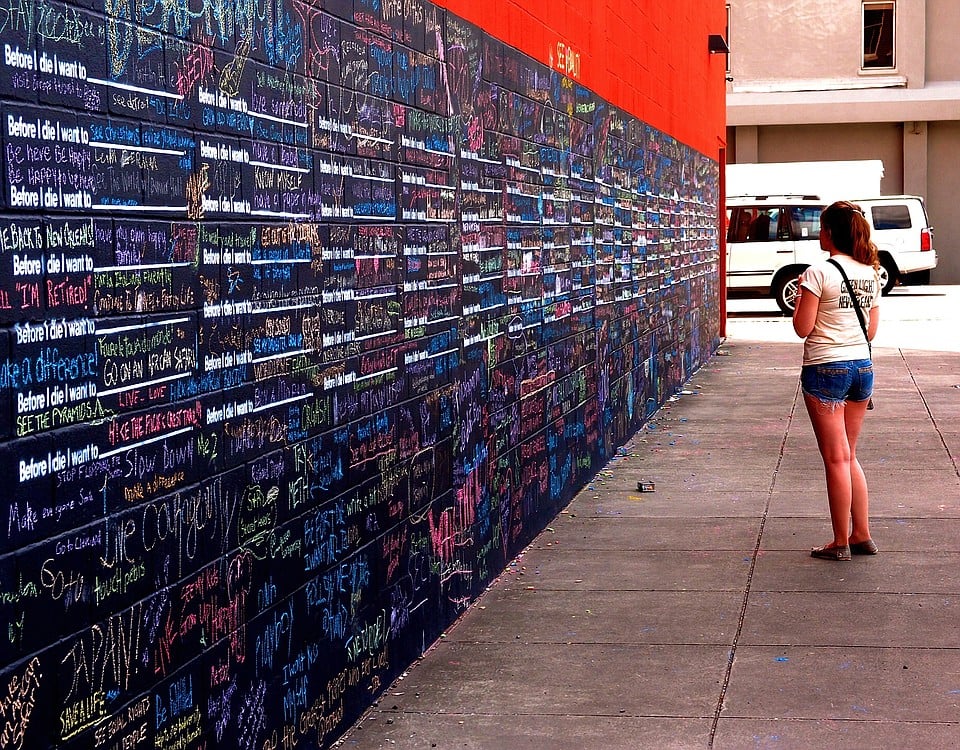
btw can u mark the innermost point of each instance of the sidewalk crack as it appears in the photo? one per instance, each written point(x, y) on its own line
point(753, 566)
point(933, 419)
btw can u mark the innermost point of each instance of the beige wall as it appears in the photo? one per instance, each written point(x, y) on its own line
point(809, 40)
point(943, 28)
point(944, 186)
point(911, 41)
point(764, 40)
point(837, 143)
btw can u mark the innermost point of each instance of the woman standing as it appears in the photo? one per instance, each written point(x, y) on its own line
point(837, 374)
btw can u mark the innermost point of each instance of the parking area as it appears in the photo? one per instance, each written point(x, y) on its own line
point(912, 317)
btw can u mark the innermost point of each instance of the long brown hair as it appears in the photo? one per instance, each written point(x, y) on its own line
point(850, 232)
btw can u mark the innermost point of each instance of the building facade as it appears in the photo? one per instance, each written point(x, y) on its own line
point(818, 80)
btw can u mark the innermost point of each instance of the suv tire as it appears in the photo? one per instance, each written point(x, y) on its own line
point(785, 292)
point(888, 273)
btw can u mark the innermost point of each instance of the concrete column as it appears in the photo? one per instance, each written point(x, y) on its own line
point(748, 144)
point(915, 164)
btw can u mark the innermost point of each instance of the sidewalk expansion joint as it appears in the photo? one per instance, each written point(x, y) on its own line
point(753, 567)
point(933, 419)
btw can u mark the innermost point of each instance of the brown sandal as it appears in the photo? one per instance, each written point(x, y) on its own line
point(869, 547)
point(831, 552)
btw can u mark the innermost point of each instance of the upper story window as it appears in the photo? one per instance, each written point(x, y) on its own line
point(726, 35)
point(879, 35)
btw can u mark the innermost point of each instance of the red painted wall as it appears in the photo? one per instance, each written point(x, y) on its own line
point(648, 57)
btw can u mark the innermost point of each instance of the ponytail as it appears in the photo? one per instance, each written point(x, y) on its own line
point(850, 232)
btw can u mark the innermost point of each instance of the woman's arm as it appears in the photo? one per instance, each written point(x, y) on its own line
point(873, 323)
point(805, 312)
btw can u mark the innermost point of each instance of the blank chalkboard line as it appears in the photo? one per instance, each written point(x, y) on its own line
point(135, 89)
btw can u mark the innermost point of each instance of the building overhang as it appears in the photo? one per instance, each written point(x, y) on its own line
point(831, 104)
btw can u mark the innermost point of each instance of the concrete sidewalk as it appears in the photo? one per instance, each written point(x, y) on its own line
point(693, 616)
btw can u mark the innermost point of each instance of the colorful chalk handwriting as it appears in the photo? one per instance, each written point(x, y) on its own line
point(312, 314)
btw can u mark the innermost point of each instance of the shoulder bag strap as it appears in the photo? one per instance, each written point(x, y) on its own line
point(856, 302)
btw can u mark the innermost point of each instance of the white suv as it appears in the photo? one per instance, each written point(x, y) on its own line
point(904, 237)
point(771, 239)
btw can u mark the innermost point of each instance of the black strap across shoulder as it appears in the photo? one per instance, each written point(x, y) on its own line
point(856, 302)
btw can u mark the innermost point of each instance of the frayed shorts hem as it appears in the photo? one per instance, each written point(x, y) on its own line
point(835, 383)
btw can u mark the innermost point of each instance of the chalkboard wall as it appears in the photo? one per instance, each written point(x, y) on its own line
point(310, 318)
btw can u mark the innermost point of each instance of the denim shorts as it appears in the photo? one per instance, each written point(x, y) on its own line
point(835, 382)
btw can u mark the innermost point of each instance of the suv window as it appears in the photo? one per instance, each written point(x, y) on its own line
point(754, 224)
point(891, 217)
point(805, 222)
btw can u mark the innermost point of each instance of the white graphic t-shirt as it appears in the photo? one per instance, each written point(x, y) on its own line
point(837, 336)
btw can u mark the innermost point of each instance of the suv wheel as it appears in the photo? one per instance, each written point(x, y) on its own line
point(785, 292)
point(888, 274)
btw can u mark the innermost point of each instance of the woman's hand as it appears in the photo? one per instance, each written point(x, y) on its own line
point(804, 310)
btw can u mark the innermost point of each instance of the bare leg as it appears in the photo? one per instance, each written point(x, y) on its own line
point(829, 426)
point(860, 497)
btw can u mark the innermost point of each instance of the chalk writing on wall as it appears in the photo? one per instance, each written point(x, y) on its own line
point(311, 316)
